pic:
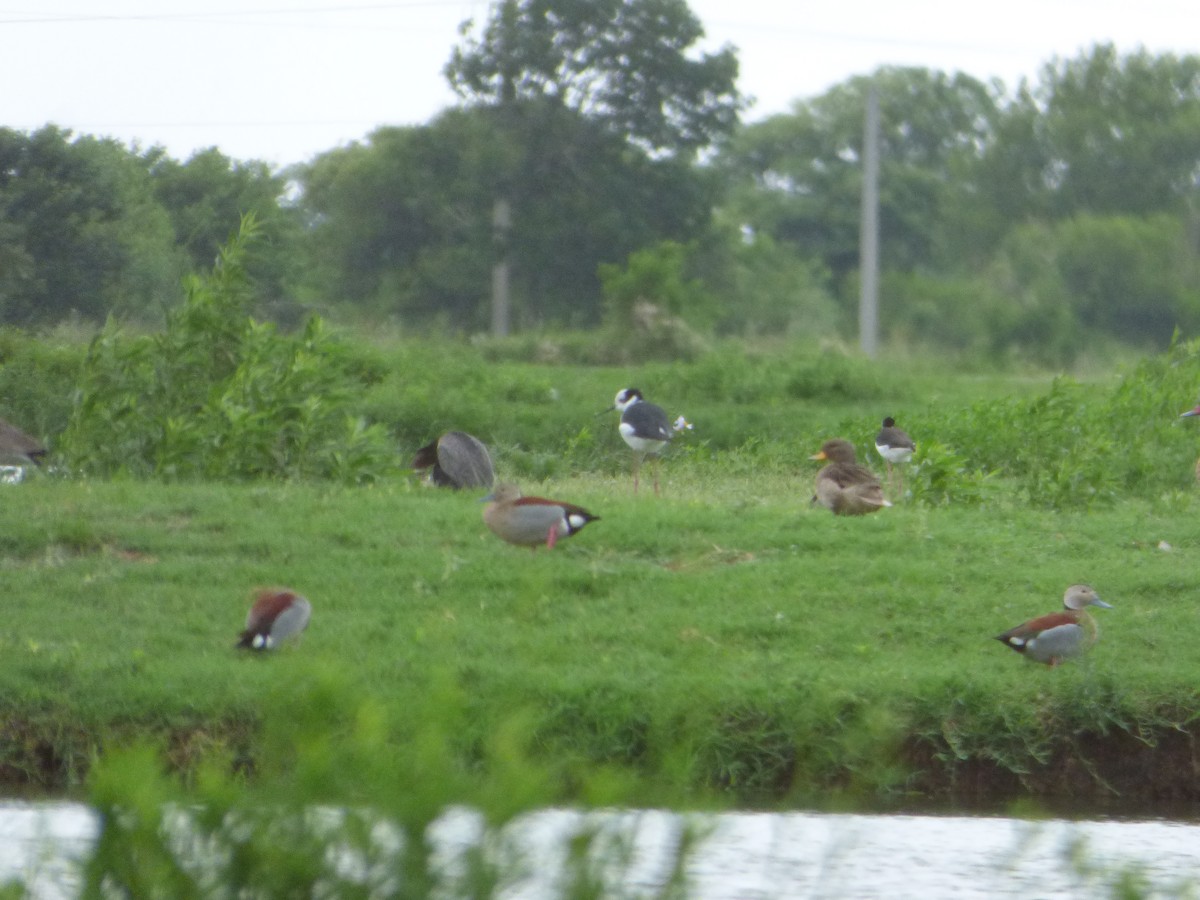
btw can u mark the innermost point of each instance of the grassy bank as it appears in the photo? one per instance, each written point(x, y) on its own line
point(726, 637)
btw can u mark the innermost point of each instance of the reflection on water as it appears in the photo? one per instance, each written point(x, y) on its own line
point(40, 844)
point(745, 856)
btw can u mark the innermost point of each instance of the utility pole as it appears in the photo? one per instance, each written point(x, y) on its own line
point(502, 206)
point(868, 261)
point(501, 224)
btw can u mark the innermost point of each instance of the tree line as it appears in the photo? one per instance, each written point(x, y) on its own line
point(1032, 221)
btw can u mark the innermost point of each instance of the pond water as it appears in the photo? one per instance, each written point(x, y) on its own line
point(747, 856)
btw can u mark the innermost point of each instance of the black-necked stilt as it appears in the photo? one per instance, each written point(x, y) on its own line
point(277, 614)
point(457, 460)
point(644, 427)
point(843, 486)
point(530, 521)
point(1061, 635)
point(895, 446)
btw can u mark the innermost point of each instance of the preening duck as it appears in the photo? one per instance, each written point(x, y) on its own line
point(457, 460)
point(18, 448)
point(277, 614)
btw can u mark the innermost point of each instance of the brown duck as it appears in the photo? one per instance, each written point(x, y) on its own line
point(844, 486)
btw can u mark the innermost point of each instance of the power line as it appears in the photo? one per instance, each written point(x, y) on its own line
point(11, 18)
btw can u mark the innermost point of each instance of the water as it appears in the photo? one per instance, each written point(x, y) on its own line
point(40, 844)
point(748, 856)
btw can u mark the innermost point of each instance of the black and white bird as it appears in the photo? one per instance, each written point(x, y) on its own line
point(645, 427)
point(896, 447)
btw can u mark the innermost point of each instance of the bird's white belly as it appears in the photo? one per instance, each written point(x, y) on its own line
point(640, 444)
point(1058, 642)
point(895, 454)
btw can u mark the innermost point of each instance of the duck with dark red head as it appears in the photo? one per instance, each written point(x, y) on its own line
point(277, 615)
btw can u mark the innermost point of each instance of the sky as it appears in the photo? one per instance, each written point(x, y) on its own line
point(283, 81)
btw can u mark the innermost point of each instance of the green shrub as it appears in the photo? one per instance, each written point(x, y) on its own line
point(939, 476)
point(652, 310)
point(1076, 444)
point(219, 395)
point(37, 381)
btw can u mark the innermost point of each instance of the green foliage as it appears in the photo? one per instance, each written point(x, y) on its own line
point(807, 164)
point(349, 801)
point(219, 395)
point(1133, 277)
point(402, 223)
point(623, 64)
point(206, 198)
point(37, 378)
point(961, 315)
point(773, 292)
point(82, 231)
point(1015, 227)
point(1078, 445)
point(652, 307)
point(939, 476)
point(605, 108)
point(1139, 278)
point(1113, 133)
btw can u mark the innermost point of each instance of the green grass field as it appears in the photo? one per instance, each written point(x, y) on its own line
point(728, 636)
point(727, 641)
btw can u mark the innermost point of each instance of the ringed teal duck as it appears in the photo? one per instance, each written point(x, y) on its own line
point(1052, 638)
point(530, 521)
point(277, 614)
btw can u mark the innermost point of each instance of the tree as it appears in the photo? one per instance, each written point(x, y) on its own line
point(1102, 133)
point(605, 110)
point(206, 198)
point(800, 173)
point(83, 230)
point(622, 63)
point(397, 222)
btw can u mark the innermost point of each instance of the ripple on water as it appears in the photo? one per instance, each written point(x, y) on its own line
point(746, 856)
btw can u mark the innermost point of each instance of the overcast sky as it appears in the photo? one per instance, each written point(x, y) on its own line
point(285, 80)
